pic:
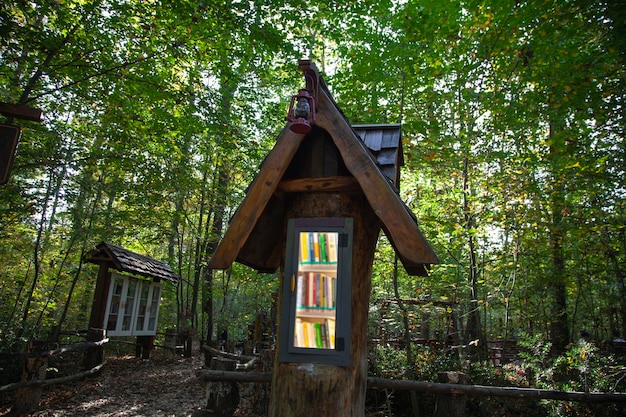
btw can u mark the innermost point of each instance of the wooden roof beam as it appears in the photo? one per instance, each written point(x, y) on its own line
point(400, 227)
point(259, 194)
point(321, 184)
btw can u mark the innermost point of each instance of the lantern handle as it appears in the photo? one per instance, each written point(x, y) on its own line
point(311, 76)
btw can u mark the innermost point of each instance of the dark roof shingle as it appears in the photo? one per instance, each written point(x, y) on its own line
point(385, 143)
point(131, 262)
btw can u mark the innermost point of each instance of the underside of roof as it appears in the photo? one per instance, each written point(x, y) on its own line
point(127, 261)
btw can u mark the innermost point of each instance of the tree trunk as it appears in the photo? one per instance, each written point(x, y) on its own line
point(228, 81)
point(309, 389)
point(474, 329)
point(407, 339)
point(612, 255)
point(37, 258)
point(559, 333)
point(213, 239)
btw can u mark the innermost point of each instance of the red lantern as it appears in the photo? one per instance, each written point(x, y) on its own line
point(301, 112)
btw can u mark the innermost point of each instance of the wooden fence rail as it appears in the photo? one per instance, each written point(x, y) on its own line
point(483, 390)
point(436, 387)
point(53, 352)
point(33, 377)
point(52, 381)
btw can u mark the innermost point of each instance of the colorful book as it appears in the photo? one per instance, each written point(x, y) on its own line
point(316, 247)
point(300, 291)
point(328, 288)
point(310, 334)
point(299, 334)
point(304, 248)
point(330, 328)
point(311, 247)
point(323, 254)
point(318, 290)
point(318, 335)
point(332, 247)
point(310, 289)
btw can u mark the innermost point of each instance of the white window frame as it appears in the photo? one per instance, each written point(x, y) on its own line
point(123, 309)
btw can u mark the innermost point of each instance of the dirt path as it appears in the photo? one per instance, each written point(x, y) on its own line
point(165, 386)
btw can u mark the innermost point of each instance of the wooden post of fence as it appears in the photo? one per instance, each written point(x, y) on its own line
point(261, 392)
point(171, 340)
point(27, 398)
point(223, 397)
point(451, 405)
point(94, 356)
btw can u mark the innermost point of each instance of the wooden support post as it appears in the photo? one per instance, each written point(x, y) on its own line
point(315, 390)
point(94, 356)
point(451, 405)
point(143, 347)
point(100, 298)
point(27, 398)
point(222, 397)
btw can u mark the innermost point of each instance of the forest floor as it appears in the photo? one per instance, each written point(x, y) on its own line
point(164, 386)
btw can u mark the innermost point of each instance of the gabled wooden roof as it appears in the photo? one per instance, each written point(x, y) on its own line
point(253, 237)
point(127, 261)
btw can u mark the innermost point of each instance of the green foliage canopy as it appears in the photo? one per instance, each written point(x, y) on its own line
point(158, 116)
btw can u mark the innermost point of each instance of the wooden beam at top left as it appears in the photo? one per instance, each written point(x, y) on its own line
point(259, 194)
point(21, 111)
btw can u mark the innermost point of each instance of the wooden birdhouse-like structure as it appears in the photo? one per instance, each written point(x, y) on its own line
point(314, 212)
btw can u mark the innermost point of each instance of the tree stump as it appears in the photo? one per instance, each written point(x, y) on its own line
point(94, 356)
point(451, 405)
point(171, 340)
point(222, 397)
point(27, 398)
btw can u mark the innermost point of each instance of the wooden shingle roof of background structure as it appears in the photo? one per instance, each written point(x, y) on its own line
point(125, 260)
point(385, 143)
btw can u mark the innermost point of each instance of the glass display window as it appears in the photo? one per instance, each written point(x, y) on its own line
point(132, 306)
point(315, 323)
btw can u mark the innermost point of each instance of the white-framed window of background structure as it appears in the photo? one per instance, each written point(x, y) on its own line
point(132, 306)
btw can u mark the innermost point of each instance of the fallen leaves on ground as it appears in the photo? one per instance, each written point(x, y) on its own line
point(164, 386)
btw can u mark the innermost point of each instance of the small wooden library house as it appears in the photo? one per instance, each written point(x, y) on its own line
point(128, 291)
point(314, 213)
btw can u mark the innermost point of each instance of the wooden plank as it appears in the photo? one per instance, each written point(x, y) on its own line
point(254, 203)
point(401, 229)
point(438, 387)
point(136, 263)
point(21, 111)
point(100, 298)
point(213, 375)
point(328, 184)
point(28, 396)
